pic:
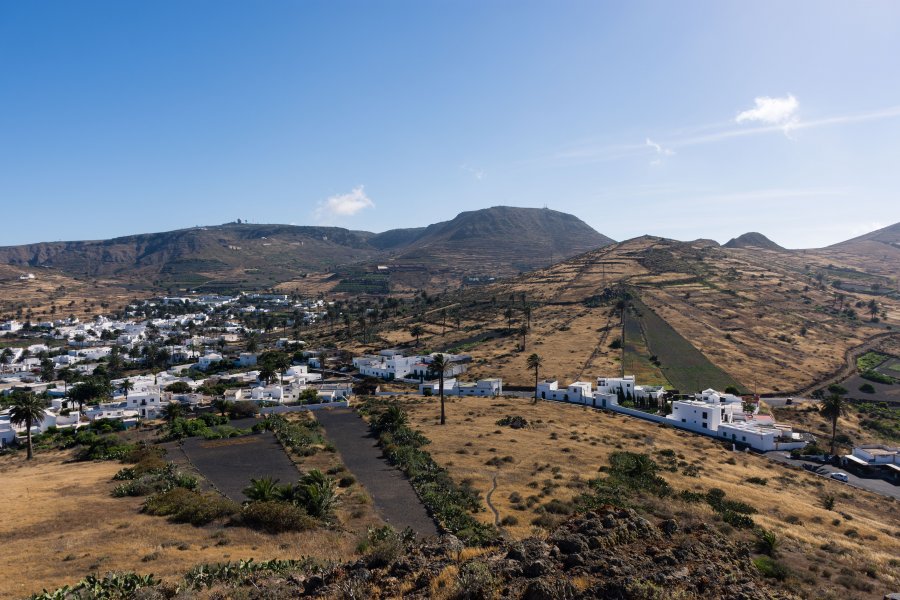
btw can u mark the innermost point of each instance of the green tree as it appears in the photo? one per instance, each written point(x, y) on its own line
point(267, 373)
point(172, 411)
point(48, 370)
point(126, 386)
point(29, 410)
point(833, 408)
point(93, 388)
point(534, 363)
point(439, 365)
point(67, 376)
point(873, 309)
point(416, 331)
point(222, 405)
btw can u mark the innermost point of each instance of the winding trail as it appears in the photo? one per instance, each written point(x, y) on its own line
point(849, 367)
point(491, 504)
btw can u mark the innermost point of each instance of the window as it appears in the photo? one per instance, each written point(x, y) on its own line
point(704, 415)
point(744, 438)
point(704, 425)
point(684, 420)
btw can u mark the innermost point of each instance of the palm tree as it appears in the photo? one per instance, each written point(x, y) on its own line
point(526, 309)
point(440, 364)
point(172, 411)
point(534, 362)
point(127, 384)
point(416, 331)
point(833, 407)
point(222, 405)
point(524, 331)
point(873, 309)
point(264, 489)
point(67, 376)
point(508, 313)
point(267, 373)
point(27, 409)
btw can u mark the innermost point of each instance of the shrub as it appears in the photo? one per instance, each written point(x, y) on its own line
point(771, 568)
point(827, 501)
point(243, 410)
point(384, 545)
point(757, 480)
point(876, 377)
point(187, 506)
point(475, 581)
point(276, 517)
point(515, 422)
point(767, 542)
point(346, 481)
point(509, 521)
point(867, 388)
point(449, 503)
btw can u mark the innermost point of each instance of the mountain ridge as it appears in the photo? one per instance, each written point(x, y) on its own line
point(243, 254)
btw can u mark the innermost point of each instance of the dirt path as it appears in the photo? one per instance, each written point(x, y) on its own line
point(395, 499)
point(849, 367)
point(491, 504)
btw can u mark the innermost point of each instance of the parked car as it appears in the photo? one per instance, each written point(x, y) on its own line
point(840, 477)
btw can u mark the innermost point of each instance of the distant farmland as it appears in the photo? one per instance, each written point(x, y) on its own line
point(685, 367)
point(635, 354)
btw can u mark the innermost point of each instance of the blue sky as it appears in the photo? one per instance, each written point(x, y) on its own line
point(682, 119)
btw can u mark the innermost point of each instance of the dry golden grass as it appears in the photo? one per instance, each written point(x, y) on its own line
point(567, 444)
point(52, 295)
point(62, 524)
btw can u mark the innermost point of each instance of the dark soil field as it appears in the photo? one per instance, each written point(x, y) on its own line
point(229, 464)
point(680, 362)
point(883, 391)
point(394, 497)
point(890, 367)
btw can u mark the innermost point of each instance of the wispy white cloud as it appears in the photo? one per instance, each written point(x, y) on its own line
point(343, 205)
point(771, 111)
point(587, 153)
point(660, 151)
point(476, 173)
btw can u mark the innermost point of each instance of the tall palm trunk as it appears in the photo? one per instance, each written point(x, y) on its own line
point(441, 384)
point(834, 421)
point(535, 384)
point(28, 437)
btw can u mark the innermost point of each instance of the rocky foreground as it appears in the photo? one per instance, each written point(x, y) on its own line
point(612, 553)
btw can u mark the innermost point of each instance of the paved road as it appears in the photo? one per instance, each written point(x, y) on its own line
point(395, 499)
point(779, 402)
point(879, 486)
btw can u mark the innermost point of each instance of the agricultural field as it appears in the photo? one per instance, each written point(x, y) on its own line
point(65, 507)
point(531, 476)
point(685, 367)
point(637, 359)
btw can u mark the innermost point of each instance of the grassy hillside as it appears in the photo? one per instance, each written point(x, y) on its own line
point(762, 320)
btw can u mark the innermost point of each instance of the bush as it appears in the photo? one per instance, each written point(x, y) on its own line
point(383, 545)
point(767, 542)
point(449, 503)
point(771, 568)
point(346, 481)
point(876, 377)
point(187, 506)
point(867, 388)
point(515, 422)
point(757, 480)
point(476, 581)
point(276, 517)
point(243, 410)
